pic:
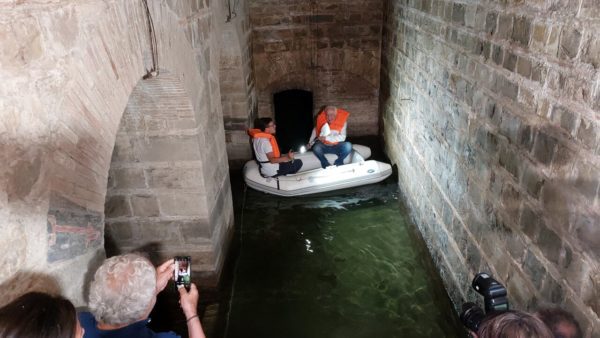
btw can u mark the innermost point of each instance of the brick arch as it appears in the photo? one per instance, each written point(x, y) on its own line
point(79, 67)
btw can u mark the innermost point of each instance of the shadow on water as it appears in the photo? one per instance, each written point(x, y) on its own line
point(338, 264)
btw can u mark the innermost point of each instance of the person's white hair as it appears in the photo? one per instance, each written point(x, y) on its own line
point(123, 289)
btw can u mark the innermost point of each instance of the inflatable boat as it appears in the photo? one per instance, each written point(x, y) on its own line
point(312, 179)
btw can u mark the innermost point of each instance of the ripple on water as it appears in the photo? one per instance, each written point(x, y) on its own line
point(335, 265)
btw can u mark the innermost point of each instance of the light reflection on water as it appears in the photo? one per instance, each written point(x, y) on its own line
point(343, 264)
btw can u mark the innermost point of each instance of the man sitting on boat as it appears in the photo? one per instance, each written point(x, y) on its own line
point(266, 150)
point(329, 136)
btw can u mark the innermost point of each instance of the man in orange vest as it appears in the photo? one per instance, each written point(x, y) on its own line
point(266, 150)
point(329, 136)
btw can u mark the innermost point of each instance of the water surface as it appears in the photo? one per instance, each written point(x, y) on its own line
point(341, 264)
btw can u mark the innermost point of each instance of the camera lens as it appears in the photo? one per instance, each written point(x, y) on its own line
point(471, 316)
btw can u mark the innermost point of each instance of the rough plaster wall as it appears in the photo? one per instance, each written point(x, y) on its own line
point(491, 112)
point(331, 48)
point(68, 69)
point(238, 93)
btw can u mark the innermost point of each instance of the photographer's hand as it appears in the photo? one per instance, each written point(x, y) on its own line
point(163, 273)
point(189, 304)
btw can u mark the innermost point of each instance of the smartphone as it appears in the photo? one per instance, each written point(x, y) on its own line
point(183, 271)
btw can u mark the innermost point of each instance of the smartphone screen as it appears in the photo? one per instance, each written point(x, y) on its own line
point(183, 271)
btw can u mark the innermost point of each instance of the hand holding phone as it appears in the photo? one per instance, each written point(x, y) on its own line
point(182, 275)
point(164, 272)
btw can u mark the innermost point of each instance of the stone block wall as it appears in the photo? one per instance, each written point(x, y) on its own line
point(331, 48)
point(68, 70)
point(156, 191)
point(238, 93)
point(491, 112)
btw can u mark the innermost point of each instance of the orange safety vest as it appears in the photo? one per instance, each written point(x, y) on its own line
point(337, 124)
point(257, 133)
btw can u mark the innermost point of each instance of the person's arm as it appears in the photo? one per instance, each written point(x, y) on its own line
point(283, 158)
point(189, 304)
point(313, 136)
point(335, 137)
point(163, 274)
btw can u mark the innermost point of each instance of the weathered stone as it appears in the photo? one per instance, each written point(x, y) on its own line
point(497, 54)
point(510, 61)
point(174, 178)
point(588, 232)
point(555, 203)
point(553, 291)
point(183, 204)
point(587, 133)
point(524, 149)
point(591, 53)
point(117, 206)
point(490, 22)
point(194, 232)
point(22, 43)
point(532, 181)
point(126, 178)
point(172, 148)
point(552, 41)
point(521, 30)
point(550, 244)
point(508, 160)
point(524, 67)
point(507, 88)
point(538, 38)
point(530, 222)
point(534, 269)
point(544, 147)
point(587, 180)
point(144, 205)
point(538, 73)
point(22, 177)
point(118, 231)
point(569, 43)
point(458, 14)
point(505, 26)
point(564, 117)
point(169, 232)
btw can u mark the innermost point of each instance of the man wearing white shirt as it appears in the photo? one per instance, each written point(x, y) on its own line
point(329, 136)
point(272, 162)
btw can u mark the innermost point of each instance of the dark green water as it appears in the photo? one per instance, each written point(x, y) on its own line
point(346, 264)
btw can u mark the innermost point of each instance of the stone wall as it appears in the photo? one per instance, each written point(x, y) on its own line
point(238, 93)
point(491, 112)
point(68, 70)
point(156, 187)
point(331, 48)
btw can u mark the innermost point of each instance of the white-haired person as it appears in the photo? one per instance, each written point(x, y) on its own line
point(123, 294)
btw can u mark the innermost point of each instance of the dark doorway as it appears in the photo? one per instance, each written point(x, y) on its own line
point(293, 116)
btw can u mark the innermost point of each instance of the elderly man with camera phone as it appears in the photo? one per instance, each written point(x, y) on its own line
point(123, 294)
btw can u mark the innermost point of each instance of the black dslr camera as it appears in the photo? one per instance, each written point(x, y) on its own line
point(494, 297)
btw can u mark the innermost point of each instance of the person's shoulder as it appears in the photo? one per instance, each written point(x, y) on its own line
point(87, 319)
point(169, 334)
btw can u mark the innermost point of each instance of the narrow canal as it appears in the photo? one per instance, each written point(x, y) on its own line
point(342, 264)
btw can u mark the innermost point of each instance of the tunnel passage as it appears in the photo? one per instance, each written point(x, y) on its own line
point(293, 115)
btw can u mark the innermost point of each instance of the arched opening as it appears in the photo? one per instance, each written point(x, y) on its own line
point(156, 195)
point(293, 115)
